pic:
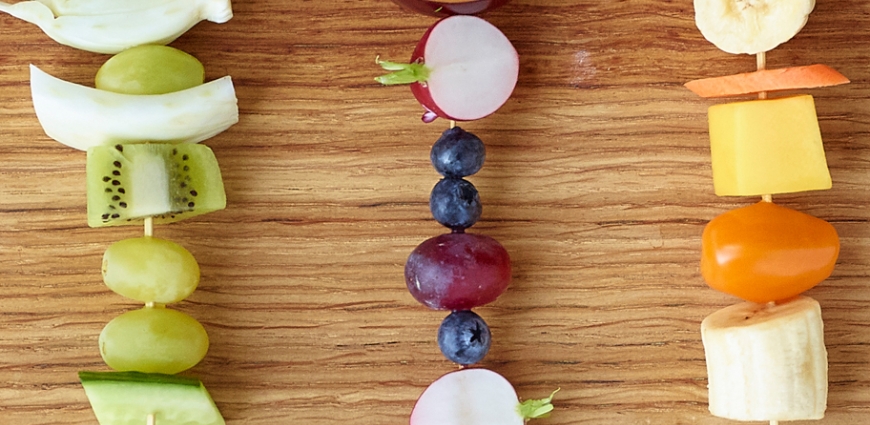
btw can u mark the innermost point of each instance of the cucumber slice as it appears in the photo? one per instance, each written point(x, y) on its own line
point(127, 398)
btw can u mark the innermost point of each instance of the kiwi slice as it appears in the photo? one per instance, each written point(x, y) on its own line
point(170, 182)
point(128, 398)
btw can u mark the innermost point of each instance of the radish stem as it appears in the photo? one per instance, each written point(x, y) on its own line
point(403, 73)
point(540, 408)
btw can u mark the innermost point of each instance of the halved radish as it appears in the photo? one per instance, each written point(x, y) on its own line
point(475, 397)
point(463, 69)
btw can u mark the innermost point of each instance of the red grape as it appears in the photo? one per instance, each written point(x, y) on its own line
point(458, 271)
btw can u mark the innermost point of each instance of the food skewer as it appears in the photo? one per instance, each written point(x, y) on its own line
point(132, 176)
point(459, 271)
point(766, 359)
point(151, 182)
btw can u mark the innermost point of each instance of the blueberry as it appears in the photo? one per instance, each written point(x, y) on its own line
point(464, 337)
point(455, 203)
point(457, 153)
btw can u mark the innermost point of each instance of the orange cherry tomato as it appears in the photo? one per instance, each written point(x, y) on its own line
point(765, 252)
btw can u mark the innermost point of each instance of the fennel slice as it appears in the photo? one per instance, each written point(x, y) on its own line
point(82, 117)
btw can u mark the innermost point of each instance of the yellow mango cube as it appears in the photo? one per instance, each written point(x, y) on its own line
point(766, 147)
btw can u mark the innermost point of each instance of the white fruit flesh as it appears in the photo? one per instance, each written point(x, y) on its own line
point(751, 26)
point(474, 67)
point(767, 362)
point(82, 117)
point(148, 176)
point(155, 22)
point(468, 397)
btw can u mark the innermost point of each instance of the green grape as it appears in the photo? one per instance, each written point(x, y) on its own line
point(150, 69)
point(153, 340)
point(150, 269)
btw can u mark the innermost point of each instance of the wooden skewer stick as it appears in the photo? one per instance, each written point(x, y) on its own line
point(774, 422)
point(452, 123)
point(150, 419)
point(149, 226)
point(761, 64)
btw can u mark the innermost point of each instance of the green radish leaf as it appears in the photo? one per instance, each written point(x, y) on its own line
point(537, 408)
point(390, 66)
point(404, 73)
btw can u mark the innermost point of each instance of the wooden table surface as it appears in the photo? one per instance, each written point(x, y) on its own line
point(597, 182)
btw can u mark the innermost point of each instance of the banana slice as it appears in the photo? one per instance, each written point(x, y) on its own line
point(767, 362)
point(106, 26)
point(751, 26)
point(82, 117)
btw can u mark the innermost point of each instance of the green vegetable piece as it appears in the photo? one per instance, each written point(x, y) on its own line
point(538, 408)
point(128, 398)
point(404, 73)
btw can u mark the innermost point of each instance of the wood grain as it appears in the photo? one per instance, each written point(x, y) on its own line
point(597, 182)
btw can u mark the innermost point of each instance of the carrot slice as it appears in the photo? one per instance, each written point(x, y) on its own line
point(797, 77)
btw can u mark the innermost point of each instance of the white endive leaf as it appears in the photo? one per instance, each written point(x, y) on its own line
point(79, 23)
point(98, 7)
point(82, 117)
